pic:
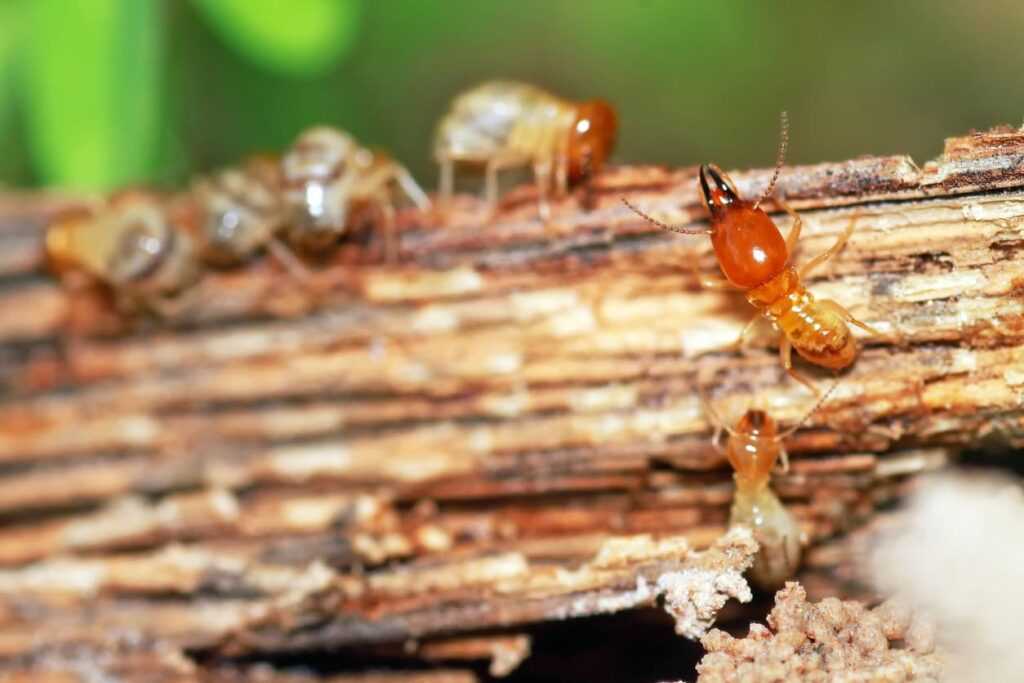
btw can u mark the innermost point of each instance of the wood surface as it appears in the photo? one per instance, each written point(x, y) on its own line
point(499, 430)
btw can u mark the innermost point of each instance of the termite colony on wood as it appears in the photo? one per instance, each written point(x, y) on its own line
point(150, 250)
point(306, 201)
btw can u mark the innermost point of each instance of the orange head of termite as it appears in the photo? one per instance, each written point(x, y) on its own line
point(62, 248)
point(591, 138)
point(754, 448)
point(748, 244)
point(755, 443)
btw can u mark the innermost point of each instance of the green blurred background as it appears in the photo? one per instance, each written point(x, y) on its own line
point(97, 93)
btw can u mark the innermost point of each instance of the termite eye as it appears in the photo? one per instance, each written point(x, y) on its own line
point(717, 190)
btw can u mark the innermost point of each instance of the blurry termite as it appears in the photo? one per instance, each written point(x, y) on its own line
point(241, 213)
point(500, 124)
point(754, 447)
point(327, 176)
point(134, 246)
point(755, 258)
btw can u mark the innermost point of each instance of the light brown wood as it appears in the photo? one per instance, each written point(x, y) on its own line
point(475, 424)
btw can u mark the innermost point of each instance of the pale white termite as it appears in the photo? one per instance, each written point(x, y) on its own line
point(135, 245)
point(327, 177)
point(240, 210)
point(753, 448)
point(504, 124)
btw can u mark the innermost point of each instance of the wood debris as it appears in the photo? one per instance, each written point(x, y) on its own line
point(828, 641)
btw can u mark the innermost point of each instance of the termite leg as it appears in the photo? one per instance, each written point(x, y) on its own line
point(172, 307)
point(411, 188)
point(542, 178)
point(589, 199)
point(848, 317)
point(742, 339)
point(713, 417)
point(387, 211)
point(786, 356)
point(824, 256)
point(284, 255)
point(897, 333)
point(491, 184)
point(798, 223)
point(712, 413)
point(494, 166)
point(447, 182)
point(716, 440)
point(562, 174)
point(782, 466)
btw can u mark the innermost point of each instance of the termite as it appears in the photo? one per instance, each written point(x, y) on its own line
point(503, 124)
point(754, 258)
point(133, 246)
point(241, 210)
point(327, 176)
point(754, 447)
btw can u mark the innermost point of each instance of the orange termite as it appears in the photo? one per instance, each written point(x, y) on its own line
point(755, 258)
point(754, 447)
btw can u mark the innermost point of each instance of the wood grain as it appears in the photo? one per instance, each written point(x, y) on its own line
point(415, 450)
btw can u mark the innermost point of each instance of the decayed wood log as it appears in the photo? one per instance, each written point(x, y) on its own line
point(441, 447)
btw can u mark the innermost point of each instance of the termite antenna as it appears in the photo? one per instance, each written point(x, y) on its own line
point(711, 411)
point(817, 405)
point(779, 159)
point(665, 226)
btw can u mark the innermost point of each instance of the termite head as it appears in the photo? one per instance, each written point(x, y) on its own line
point(756, 443)
point(754, 448)
point(757, 424)
point(63, 251)
point(591, 138)
point(749, 246)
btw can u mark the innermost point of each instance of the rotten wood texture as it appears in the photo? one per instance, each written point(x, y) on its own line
point(439, 449)
point(82, 665)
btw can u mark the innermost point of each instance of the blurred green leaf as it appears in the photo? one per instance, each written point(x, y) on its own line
point(93, 77)
point(11, 28)
point(301, 37)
